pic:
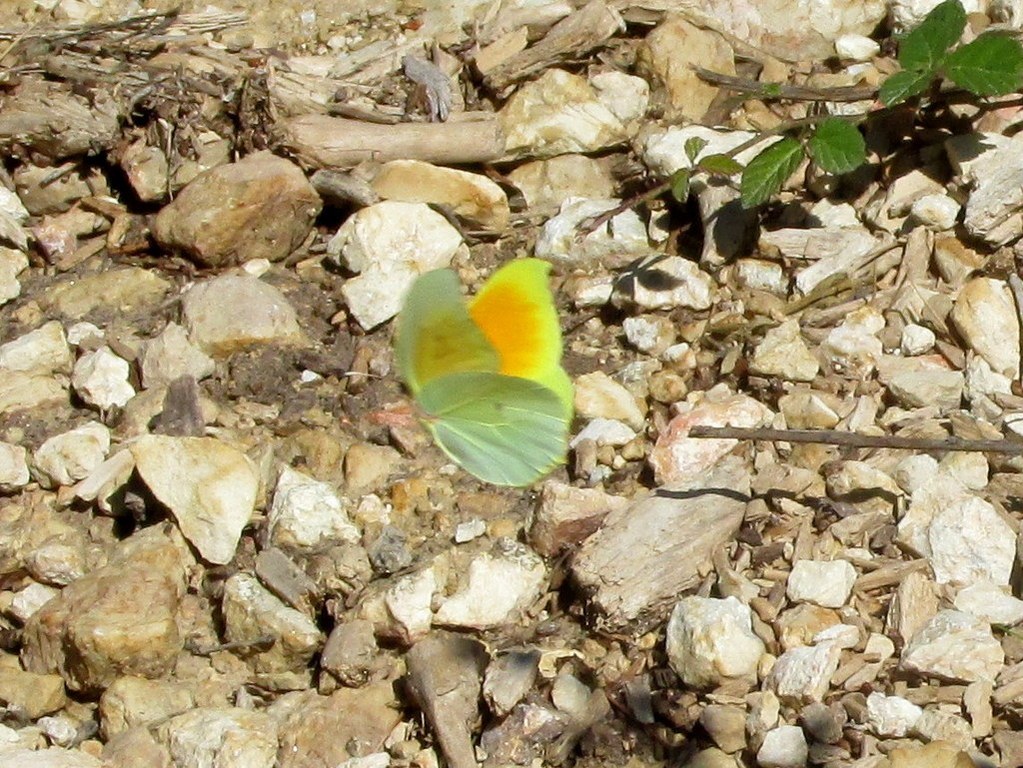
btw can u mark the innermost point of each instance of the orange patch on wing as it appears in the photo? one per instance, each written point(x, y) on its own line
point(513, 323)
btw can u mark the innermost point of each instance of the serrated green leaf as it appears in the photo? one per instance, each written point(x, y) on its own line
point(991, 65)
point(837, 146)
point(693, 147)
point(766, 172)
point(680, 185)
point(720, 165)
point(903, 85)
point(925, 47)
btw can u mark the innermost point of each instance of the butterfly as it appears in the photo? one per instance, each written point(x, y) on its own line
point(486, 374)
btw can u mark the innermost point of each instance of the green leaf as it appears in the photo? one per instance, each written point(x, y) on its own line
point(924, 48)
point(693, 147)
point(680, 185)
point(903, 85)
point(991, 65)
point(766, 172)
point(720, 165)
point(837, 146)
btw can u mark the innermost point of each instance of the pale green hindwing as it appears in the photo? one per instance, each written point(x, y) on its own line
point(503, 429)
point(436, 336)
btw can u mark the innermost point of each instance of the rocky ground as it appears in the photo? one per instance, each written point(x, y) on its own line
point(223, 541)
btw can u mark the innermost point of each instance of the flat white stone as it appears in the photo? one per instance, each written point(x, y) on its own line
point(618, 242)
point(891, 716)
point(100, 378)
point(854, 345)
point(991, 603)
point(559, 113)
point(667, 283)
point(66, 458)
point(13, 467)
point(598, 396)
point(854, 47)
point(237, 311)
point(985, 315)
point(307, 513)
point(30, 599)
point(12, 263)
point(209, 487)
point(803, 674)
point(783, 353)
point(389, 245)
point(916, 339)
point(783, 747)
point(42, 351)
point(954, 646)
point(824, 583)
point(937, 212)
point(408, 603)
point(678, 458)
point(605, 432)
point(499, 587)
point(172, 354)
point(710, 641)
point(915, 471)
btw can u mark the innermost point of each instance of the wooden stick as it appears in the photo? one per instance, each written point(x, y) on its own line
point(320, 141)
point(854, 440)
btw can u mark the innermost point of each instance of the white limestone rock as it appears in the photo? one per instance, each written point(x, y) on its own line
point(472, 197)
point(784, 354)
point(237, 311)
point(617, 243)
point(66, 458)
point(854, 345)
point(101, 379)
point(408, 603)
point(43, 351)
point(559, 113)
point(985, 315)
point(251, 612)
point(221, 737)
point(711, 641)
point(171, 355)
point(605, 432)
point(891, 716)
point(783, 747)
point(666, 282)
point(803, 674)
point(389, 245)
point(991, 603)
point(499, 586)
point(954, 646)
point(307, 514)
point(12, 263)
point(678, 458)
point(598, 396)
point(209, 487)
point(13, 467)
point(824, 583)
point(916, 340)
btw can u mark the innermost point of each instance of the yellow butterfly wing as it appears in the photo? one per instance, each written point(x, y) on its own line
point(515, 312)
point(435, 335)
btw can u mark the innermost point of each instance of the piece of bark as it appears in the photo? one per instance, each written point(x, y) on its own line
point(571, 38)
point(444, 674)
point(634, 568)
point(48, 118)
point(284, 578)
point(320, 141)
